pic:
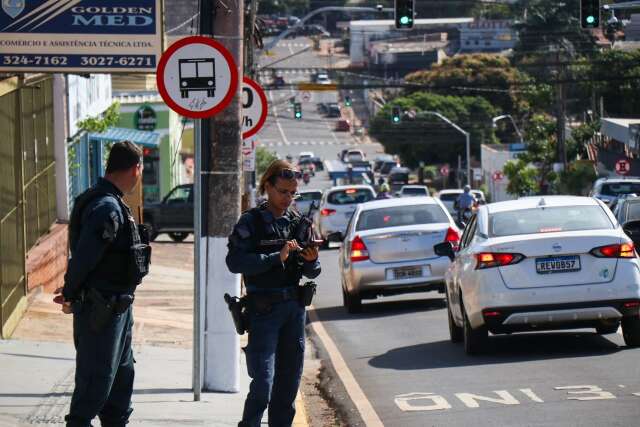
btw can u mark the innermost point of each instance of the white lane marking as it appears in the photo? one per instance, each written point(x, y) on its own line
point(504, 397)
point(596, 392)
point(531, 395)
point(439, 403)
point(275, 114)
point(364, 407)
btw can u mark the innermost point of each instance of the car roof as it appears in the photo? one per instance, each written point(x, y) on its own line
point(451, 191)
point(400, 169)
point(309, 191)
point(535, 202)
point(414, 186)
point(402, 201)
point(616, 180)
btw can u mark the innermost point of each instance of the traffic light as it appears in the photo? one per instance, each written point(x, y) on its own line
point(292, 100)
point(590, 13)
point(404, 14)
point(347, 101)
point(396, 113)
point(297, 110)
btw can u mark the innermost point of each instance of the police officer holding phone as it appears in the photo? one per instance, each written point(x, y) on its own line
point(109, 256)
point(263, 248)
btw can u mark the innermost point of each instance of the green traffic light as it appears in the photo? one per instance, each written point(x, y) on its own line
point(591, 19)
point(396, 119)
point(404, 20)
point(298, 115)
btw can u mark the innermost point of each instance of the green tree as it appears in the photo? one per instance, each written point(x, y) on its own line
point(577, 179)
point(493, 76)
point(264, 158)
point(426, 137)
point(523, 178)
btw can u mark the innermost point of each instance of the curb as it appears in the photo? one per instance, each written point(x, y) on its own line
point(300, 419)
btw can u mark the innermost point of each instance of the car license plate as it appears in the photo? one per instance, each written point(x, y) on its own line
point(407, 272)
point(558, 264)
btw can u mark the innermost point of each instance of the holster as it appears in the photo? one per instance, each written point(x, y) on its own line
point(306, 293)
point(237, 307)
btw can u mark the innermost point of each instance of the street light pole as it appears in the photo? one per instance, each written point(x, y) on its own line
point(513, 122)
point(467, 140)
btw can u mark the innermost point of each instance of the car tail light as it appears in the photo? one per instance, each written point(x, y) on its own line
point(327, 212)
point(496, 259)
point(631, 304)
point(491, 313)
point(623, 250)
point(452, 237)
point(359, 251)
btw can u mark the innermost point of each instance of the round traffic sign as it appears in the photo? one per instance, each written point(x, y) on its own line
point(497, 176)
point(254, 107)
point(444, 170)
point(623, 167)
point(306, 96)
point(197, 77)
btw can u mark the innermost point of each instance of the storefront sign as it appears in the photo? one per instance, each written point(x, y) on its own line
point(145, 118)
point(80, 36)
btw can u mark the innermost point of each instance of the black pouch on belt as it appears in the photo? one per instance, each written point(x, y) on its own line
point(101, 311)
point(307, 291)
point(123, 303)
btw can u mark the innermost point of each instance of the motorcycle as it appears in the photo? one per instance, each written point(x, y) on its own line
point(306, 177)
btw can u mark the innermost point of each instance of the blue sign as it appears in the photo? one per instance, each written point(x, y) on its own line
point(80, 35)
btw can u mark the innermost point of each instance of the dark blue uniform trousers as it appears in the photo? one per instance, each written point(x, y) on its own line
point(275, 355)
point(104, 371)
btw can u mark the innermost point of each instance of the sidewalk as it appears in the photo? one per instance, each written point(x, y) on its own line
point(37, 365)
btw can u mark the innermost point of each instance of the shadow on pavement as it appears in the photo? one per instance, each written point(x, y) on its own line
point(501, 349)
point(372, 310)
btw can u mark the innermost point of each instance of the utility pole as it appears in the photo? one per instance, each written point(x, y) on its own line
point(223, 182)
point(561, 106)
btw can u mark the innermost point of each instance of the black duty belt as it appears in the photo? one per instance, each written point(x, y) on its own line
point(275, 296)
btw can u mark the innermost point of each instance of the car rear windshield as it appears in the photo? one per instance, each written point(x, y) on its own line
point(350, 196)
point(617, 188)
point(315, 195)
point(548, 220)
point(449, 197)
point(401, 215)
point(416, 191)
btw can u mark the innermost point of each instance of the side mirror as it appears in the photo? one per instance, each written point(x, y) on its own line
point(445, 249)
point(335, 237)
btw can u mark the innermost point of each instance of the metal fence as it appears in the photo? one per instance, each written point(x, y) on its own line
point(27, 183)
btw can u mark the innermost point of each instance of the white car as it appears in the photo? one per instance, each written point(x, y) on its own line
point(337, 206)
point(413, 191)
point(388, 249)
point(323, 79)
point(449, 197)
point(305, 155)
point(540, 263)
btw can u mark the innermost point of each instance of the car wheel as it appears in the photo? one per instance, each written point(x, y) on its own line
point(475, 340)
point(178, 237)
point(456, 333)
point(153, 233)
point(631, 331)
point(606, 327)
point(353, 303)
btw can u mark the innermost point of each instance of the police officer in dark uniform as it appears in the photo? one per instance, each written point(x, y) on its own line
point(109, 255)
point(262, 248)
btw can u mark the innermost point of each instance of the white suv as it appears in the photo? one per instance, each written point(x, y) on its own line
point(337, 206)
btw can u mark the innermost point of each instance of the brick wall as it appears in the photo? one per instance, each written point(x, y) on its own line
point(47, 260)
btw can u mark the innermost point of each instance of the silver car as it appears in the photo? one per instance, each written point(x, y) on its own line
point(388, 249)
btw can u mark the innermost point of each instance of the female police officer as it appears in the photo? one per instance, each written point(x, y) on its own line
point(272, 262)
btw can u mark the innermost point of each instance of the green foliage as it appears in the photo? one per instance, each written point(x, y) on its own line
point(456, 74)
point(430, 172)
point(493, 11)
point(264, 158)
point(101, 123)
point(577, 179)
point(427, 138)
point(580, 136)
point(523, 178)
point(616, 77)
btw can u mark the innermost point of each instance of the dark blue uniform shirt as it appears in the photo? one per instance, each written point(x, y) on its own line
point(244, 258)
point(103, 228)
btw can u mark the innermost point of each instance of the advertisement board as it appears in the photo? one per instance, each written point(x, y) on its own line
point(80, 36)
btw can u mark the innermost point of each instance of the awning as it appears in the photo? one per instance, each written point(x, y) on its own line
point(622, 130)
point(139, 137)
